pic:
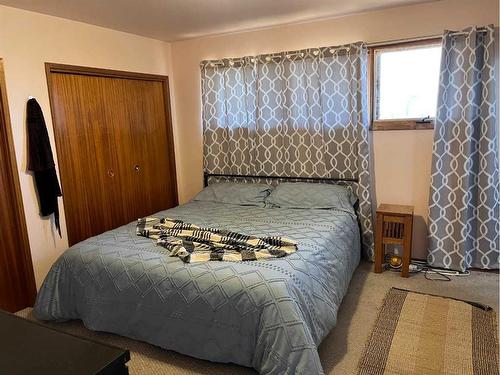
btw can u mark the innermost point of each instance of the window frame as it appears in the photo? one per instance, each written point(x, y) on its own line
point(395, 124)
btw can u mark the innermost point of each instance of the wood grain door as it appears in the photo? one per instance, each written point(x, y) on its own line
point(142, 141)
point(17, 282)
point(114, 146)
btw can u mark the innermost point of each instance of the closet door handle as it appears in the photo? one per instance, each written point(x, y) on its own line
point(137, 168)
point(111, 173)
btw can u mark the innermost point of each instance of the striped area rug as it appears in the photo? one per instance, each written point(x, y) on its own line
point(418, 333)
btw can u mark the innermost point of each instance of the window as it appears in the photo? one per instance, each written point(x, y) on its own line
point(405, 82)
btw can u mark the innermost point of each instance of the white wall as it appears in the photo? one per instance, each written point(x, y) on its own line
point(27, 41)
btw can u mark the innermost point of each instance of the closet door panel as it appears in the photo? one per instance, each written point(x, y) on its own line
point(141, 141)
point(114, 145)
point(157, 163)
point(116, 90)
point(89, 168)
point(153, 186)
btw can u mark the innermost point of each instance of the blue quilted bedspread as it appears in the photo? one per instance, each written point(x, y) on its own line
point(270, 315)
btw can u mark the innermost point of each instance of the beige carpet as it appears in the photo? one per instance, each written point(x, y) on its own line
point(418, 333)
point(341, 350)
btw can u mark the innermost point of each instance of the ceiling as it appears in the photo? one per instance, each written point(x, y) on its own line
point(172, 20)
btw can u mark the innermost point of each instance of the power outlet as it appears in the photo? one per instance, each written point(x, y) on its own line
point(414, 268)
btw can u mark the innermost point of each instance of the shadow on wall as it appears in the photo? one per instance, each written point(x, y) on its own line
point(50, 217)
point(419, 245)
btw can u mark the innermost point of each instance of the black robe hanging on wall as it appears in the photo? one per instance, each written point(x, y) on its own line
point(41, 162)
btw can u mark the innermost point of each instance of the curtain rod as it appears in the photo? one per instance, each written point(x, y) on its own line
point(418, 39)
point(270, 57)
point(405, 40)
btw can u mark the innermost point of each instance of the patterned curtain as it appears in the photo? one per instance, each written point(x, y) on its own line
point(464, 217)
point(298, 114)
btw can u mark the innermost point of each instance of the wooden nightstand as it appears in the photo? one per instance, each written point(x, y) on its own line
point(394, 226)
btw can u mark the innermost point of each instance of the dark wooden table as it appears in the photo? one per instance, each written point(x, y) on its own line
point(28, 347)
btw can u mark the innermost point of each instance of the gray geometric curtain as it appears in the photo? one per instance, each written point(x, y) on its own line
point(297, 114)
point(464, 217)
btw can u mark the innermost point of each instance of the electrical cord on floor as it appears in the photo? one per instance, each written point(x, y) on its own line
point(440, 274)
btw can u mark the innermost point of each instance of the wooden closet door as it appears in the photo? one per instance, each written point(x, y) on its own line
point(142, 141)
point(17, 281)
point(88, 162)
point(114, 146)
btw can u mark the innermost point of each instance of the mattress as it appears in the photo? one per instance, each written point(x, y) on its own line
point(270, 315)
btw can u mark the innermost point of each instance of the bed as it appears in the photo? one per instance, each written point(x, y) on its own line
point(270, 315)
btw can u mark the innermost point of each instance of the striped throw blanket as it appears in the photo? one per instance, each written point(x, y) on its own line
point(192, 243)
